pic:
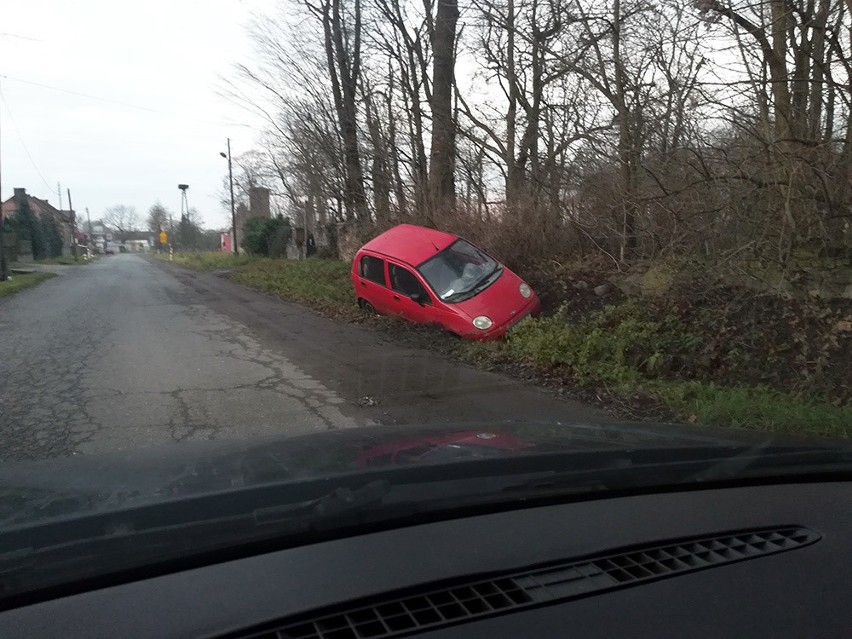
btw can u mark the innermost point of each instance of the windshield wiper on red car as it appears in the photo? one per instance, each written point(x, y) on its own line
point(477, 288)
point(488, 280)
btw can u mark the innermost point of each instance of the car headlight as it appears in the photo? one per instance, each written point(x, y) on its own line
point(483, 323)
point(525, 290)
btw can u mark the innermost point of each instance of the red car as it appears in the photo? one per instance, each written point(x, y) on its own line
point(431, 277)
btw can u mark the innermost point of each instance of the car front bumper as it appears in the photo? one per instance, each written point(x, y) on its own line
point(498, 331)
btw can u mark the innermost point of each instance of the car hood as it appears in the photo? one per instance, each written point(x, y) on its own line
point(80, 485)
point(501, 301)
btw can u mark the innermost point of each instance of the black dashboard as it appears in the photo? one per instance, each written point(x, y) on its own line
point(800, 590)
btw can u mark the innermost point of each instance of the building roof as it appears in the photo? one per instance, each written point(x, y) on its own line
point(411, 244)
point(39, 207)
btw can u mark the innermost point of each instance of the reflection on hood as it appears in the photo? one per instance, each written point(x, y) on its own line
point(32, 491)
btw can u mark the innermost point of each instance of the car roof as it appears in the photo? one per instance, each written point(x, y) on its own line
point(409, 243)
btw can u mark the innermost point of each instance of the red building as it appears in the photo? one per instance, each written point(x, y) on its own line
point(42, 209)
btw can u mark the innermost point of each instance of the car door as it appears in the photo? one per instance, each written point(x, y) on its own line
point(372, 283)
point(406, 286)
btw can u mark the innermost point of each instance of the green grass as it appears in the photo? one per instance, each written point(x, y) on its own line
point(65, 260)
point(318, 283)
point(696, 402)
point(208, 260)
point(626, 350)
point(758, 408)
point(20, 282)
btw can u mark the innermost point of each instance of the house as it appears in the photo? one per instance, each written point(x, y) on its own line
point(99, 237)
point(42, 210)
point(137, 242)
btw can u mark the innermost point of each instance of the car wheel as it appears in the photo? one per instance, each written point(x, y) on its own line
point(367, 307)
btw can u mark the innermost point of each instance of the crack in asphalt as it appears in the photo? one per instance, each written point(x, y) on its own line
point(120, 355)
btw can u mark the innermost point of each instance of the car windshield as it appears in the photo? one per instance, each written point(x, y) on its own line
point(458, 270)
point(232, 282)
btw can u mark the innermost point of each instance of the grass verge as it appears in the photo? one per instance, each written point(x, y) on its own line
point(66, 260)
point(627, 351)
point(624, 349)
point(757, 408)
point(209, 260)
point(20, 282)
point(321, 284)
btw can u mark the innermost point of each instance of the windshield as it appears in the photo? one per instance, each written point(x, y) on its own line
point(458, 270)
point(232, 284)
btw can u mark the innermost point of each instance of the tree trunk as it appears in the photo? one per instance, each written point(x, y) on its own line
point(514, 173)
point(344, 74)
point(626, 143)
point(379, 165)
point(784, 119)
point(443, 150)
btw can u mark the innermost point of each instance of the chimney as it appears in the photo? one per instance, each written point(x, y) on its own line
point(259, 202)
point(19, 193)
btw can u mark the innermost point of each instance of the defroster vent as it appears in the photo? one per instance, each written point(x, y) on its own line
point(395, 616)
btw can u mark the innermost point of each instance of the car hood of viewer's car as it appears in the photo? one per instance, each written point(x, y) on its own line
point(89, 484)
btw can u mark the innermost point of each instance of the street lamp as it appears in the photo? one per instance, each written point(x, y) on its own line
point(231, 182)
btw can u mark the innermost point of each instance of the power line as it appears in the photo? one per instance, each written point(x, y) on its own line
point(128, 105)
point(85, 95)
point(21, 139)
point(19, 37)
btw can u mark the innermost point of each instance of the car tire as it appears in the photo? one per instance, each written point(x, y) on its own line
point(367, 307)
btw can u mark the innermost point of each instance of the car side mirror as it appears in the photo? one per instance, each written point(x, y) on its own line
point(421, 298)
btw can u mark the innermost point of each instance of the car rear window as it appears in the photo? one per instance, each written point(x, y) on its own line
point(372, 268)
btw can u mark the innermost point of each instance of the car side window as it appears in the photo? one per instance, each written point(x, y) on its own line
point(405, 282)
point(373, 269)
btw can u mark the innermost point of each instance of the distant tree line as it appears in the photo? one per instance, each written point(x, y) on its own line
point(185, 233)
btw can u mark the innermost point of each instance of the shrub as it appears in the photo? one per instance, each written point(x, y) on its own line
point(29, 229)
point(52, 238)
point(267, 236)
point(618, 345)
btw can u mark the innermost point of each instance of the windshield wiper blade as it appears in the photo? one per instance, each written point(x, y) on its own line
point(27, 566)
point(487, 280)
point(482, 284)
point(333, 506)
point(763, 461)
point(634, 470)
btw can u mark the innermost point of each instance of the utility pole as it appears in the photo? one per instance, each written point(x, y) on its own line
point(233, 214)
point(4, 271)
point(74, 250)
point(184, 215)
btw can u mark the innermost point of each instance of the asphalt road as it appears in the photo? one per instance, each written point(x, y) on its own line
point(125, 353)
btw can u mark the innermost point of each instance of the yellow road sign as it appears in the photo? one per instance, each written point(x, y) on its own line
point(164, 238)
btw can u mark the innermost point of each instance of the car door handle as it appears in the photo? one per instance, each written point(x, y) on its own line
point(396, 297)
point(363, 283)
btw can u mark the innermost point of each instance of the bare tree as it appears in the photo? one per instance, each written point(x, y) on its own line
point(122, 219)
point(158, 218)
point(442, 155)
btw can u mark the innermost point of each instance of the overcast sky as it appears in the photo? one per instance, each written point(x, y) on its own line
point(155, 68)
